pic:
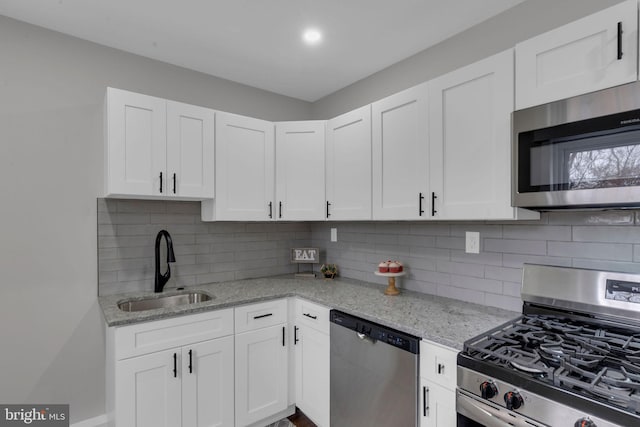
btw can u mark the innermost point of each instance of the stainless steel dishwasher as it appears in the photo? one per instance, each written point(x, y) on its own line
point(374, 374)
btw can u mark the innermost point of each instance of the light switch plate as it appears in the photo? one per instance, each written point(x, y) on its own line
point(334, 234)
point(472, 242)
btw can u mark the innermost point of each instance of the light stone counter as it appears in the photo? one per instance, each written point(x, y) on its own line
point(446, 321)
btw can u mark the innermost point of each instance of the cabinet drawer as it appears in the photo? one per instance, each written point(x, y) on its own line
point(260, 315)
point(313, 315)
point(438, 364)
point(160, 335)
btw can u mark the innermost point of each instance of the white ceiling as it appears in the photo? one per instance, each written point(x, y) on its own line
point(258, 42)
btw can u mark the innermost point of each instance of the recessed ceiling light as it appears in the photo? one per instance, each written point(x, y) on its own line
point(312, 36)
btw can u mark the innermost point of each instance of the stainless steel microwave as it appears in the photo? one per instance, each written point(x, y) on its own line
point(579, 153)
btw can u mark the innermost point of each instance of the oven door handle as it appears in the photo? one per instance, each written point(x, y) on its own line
point(488, 415)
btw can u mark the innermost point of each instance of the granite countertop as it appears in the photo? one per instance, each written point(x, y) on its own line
point(443, 320)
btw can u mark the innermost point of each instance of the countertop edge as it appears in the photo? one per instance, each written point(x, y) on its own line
point(438, 319)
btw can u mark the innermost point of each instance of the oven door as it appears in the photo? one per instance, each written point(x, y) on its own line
point(473, 412)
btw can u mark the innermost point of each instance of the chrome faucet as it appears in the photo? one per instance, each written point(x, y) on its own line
point(162, 279)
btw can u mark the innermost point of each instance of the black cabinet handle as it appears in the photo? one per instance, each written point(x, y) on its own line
point(433, 203)
point(263, 315)
point(420, 199)
point(309, 315)
point(280, 212)
point(425, 401)
point(160, 182)
point(174, 183)
point(328, 204)
point(440, 368)
point(619, 41)
point(295, 335)
point(191, 361)
point(283, 336)
point(175, 365)
point(270, 209)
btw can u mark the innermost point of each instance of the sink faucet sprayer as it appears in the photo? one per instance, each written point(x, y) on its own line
point(162, 279)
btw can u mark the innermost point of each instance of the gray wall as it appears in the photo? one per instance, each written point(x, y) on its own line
point(502, 32)
point(205, 252)
point(437, 263)
point(51, 93)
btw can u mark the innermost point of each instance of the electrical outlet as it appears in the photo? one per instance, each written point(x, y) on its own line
point(334, 234)
point(472, 242)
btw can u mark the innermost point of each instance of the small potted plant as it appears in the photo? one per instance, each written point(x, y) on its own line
point(329, 270)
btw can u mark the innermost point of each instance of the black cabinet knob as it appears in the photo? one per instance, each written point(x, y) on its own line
point(488, 390)
point(513, 399)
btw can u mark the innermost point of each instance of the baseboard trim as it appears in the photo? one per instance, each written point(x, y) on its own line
point(99, 421)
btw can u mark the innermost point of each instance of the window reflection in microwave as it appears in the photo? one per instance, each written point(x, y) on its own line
point(606, 167)
point(602, 161)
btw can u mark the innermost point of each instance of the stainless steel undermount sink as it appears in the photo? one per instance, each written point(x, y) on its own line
point(164, 301)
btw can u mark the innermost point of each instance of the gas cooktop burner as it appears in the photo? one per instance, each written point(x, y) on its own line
point(597, 361)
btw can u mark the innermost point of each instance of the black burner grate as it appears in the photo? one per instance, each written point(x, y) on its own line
point(596, 361)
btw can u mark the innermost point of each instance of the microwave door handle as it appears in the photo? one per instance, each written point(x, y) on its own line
point(487, 415)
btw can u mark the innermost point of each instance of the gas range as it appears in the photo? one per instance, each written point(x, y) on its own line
point(572, 358)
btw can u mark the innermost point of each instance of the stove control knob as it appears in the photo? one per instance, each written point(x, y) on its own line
point(513, 399)
point(488, 389)
point(585, 422)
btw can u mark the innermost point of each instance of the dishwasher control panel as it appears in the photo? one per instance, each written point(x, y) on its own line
point(376, 331)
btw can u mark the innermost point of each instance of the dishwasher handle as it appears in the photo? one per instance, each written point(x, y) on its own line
point(364, 337)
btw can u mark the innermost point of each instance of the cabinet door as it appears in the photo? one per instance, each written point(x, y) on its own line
point(437, 405)
point(147, 391)
point(261, 374)
point(300, 170)
point(244, 168)
point(190, 151)
point(579, 57)
point(312, 374)
point(438, 364)
point(349, 166)
point(135, 151)
point(400, 155)
point(207, 385)
point(469, 134)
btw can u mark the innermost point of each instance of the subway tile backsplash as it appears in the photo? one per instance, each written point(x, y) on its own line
point(205, 251)
point(432, 251)
point(437, 264)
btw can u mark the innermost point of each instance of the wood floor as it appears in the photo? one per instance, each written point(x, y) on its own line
point(300, 420)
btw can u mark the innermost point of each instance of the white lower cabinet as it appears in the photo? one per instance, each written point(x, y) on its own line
point(262, 362)
point(312, 361)
point(187, 383)
point(207, 380)
point(437, 395)
point(147, 392)
point(438, 405)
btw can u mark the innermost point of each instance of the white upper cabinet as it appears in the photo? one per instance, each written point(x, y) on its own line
point(300, 171)
point(156, 148)
point(470, 141)
point(190, 150)
point(135, 147)
point(349, 166)
point(400, 155)
point(244, 169)
point(593, 53)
